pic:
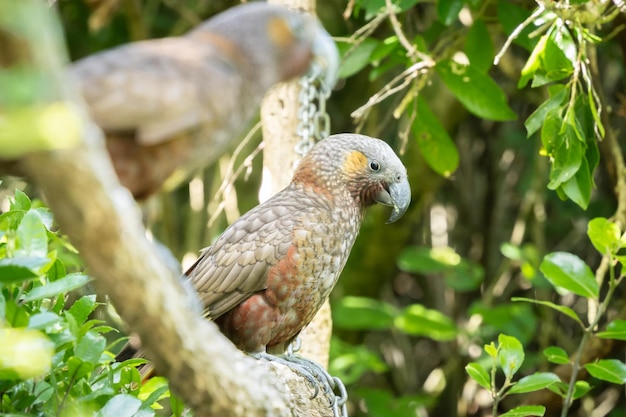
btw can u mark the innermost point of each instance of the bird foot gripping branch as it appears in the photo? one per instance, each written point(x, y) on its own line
point(316, 375)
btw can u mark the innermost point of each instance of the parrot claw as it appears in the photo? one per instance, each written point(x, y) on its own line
point(316, 375)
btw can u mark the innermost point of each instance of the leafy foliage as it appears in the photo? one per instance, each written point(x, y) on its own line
point(55, 357)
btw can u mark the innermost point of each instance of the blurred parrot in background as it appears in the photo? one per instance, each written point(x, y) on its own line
point(171, 106)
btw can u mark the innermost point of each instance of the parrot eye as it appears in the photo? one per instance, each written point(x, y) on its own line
point(374, 165)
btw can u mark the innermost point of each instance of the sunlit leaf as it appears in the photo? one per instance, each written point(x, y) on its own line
point(32, 236)
point(604, 235)
point(610, 370)
point(534, 382)
point(568, 271)
point(20, 268)
point(510, 354)
point(479, 374)
point(20, 201)
point(69, 283)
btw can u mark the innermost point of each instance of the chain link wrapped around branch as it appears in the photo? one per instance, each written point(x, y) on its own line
point(314, 121)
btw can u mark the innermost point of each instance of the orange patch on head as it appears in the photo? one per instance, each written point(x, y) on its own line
point(279, 31)
point(355, 162)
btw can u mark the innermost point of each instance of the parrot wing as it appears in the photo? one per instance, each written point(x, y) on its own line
point(238, 264)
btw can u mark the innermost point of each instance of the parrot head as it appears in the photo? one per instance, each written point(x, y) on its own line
point(293, 42)
point(367, 168)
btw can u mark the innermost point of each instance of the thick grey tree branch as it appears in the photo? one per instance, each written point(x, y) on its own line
point(104, 223)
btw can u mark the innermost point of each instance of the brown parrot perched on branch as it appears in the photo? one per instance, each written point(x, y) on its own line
point(268, 274)
point(171, 106)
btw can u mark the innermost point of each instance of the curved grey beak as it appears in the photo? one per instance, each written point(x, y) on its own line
point(325, 63)
point(398, 197)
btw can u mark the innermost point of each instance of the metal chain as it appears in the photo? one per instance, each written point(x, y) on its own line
point(314, 121)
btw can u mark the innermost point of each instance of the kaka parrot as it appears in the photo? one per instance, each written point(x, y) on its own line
point(171, 106)
point(268, 274)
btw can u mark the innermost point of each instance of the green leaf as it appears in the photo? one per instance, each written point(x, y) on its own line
point(580, 389)
point(604, 235)
point(20, 201)
point(551, 137)
point(360, 313)
point(534, 382)
point(32, 236)
point(90, 348)
point(436, 146)
point(153, 390)
point(491, 350)
point(419, 320)
point(122, 405)
point(448, 10)
point(510, 354)
point(477, 91)
point(62, 286)
point(479, 374)
point(533, 64)
point(83, 307)
point(525, 411)
point(547, 63)
point(614, 330)
point(479, 47)
point(578, 188)
point(57, 270)
point(610, 370)
point(535, 120)
point(16, 315)
point(20, 268)
point(557, 355)
point(568, 271)
point(561, 309)
point(567, 156)
point(357, 58)
point(42, 320)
